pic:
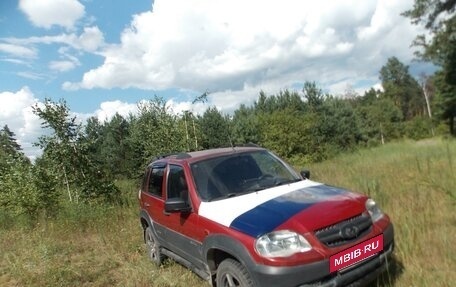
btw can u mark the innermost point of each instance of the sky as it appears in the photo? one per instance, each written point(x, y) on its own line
point(104, 56)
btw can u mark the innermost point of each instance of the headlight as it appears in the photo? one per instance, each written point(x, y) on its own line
point(281, 243)
point(374, 210)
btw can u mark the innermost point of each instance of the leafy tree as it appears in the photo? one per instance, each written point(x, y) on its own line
point(24, 188)
point(402, 88)
point(155, 131)
point(446, 101)
point(115, 148)
point(66, 154)
point(337, 125)
point(215, 129)
point(313, 95)
point(283, 100)
point(379, 121)
point(439, 46)
point(288, 133)
point(245, 125)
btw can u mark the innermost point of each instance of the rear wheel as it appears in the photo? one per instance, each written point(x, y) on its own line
point(152, 246)
point(231, 273)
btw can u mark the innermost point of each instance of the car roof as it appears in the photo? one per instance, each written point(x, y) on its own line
point(195, 156)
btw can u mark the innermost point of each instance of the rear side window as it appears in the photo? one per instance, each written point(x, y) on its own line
point(156, 180)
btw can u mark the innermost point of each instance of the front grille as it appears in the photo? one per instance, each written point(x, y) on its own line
point(345, 231)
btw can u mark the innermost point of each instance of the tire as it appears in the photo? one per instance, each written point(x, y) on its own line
point(231, 273)
point(153, 247)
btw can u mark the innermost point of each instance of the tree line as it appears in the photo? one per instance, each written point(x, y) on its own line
point(81, 162)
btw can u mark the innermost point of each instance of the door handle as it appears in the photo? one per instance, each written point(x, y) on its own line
point(146, 204)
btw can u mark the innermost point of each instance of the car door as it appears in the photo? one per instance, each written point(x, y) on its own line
point(153, 197)
point(184, 224)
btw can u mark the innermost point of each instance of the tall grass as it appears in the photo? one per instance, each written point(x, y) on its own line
point(415, 183)
point(85, 245)
point(102, 246)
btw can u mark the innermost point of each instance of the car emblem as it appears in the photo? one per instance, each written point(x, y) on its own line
point(349, 231)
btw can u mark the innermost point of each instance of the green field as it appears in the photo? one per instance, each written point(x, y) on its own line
point(414, 182)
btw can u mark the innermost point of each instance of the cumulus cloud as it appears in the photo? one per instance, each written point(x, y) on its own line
point(230, 46)
point(16, 112)
point(108, 109)
point(46, 13)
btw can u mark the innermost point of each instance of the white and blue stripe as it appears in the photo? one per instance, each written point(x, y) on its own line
point(261, 212)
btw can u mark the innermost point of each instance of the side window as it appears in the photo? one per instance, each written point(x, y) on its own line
point(156, 180)
point(177, 183)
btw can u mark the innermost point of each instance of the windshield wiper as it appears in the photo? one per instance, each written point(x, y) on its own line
point(282, 182)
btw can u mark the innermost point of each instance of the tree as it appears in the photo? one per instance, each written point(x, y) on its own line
point(446, 101)
point(380, 120)
point(402, 88)
point(439, 47)
point(9, 148)
point(289, 133)
point(67, 156)
point(155, 131)
point(215, 129)
point(245, 125)
point(8, 141)
point(313, 95)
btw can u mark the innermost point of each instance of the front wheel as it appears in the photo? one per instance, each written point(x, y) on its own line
point(231, 273)
point(153, 247)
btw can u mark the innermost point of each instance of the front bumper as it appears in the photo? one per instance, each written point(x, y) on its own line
point(317, 274)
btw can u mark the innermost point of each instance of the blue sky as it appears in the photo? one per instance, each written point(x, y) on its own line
point(105, 56)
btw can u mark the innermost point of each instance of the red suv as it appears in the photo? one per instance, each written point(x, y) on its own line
point(242, 217)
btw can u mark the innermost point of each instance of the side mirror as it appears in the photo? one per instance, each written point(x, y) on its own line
point(176, 205)
point(305, 174)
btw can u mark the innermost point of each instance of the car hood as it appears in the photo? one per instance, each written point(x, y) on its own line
point(303, 206)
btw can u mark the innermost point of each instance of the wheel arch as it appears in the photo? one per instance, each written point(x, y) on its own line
point(145, 221)
point(217, 248)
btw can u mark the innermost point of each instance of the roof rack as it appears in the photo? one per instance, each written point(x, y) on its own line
point(180, 155)
point(250, 144)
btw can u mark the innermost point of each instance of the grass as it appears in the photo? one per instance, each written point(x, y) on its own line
point(414, 182)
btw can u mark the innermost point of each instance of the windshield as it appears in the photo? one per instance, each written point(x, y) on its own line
point(240, 173)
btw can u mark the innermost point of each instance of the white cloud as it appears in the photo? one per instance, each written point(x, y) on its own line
point(18, 50)
point(46, 13)
point(16, 112)
point(90, 40)
point(108, 109)
point(236, 47)
point(62, 66)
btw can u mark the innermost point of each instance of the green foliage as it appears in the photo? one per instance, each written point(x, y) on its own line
point(66, 156)
point(287, 132)
point(379, 121)
point(439, 46)
point(313, 95)
point(18, 194)
point(446, 101)
point(419, 128)
point(402, 88)
point(215, 129)
point(155, 131)
point(245, 126)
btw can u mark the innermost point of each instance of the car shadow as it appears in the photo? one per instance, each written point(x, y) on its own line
point(389, 277)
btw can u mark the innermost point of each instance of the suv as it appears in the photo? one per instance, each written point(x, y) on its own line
point(241, 216)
